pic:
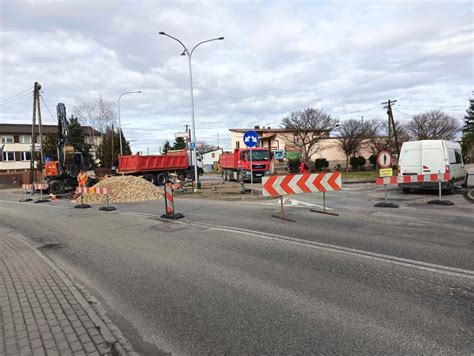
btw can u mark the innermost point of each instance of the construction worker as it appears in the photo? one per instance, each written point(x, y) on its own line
point(304, 167)
point(82, 178)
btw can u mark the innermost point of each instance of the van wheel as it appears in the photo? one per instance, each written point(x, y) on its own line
point(406, 190)
point(150, 177)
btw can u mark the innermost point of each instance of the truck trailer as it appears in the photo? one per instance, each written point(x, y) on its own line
point(157, 168)
point(236, 165)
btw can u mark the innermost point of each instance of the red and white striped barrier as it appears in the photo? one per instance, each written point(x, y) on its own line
point(93, 190)
point(275, 186)
point(27, 187)
point(169, 203)
point(437, 177)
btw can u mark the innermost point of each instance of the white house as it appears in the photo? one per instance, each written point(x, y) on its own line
point(210, 159)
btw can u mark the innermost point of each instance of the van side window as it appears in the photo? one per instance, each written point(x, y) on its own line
point(458, 155)
point(451, 156)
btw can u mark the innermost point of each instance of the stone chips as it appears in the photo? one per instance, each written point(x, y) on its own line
point(126, 189)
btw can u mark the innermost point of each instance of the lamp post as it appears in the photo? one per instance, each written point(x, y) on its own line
point(193, 139)
point(120, 123)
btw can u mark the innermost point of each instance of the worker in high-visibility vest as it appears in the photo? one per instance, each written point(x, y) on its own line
point(82, 178)
point(304, 167)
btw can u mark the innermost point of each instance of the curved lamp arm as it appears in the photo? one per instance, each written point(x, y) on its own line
point(200, 43)
point(174, 38)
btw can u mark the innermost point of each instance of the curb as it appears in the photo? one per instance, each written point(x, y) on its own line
point(358, 181)
point(99, 323)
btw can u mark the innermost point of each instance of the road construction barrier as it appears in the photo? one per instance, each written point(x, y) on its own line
point(277, 186)
point(169, 203)
point(41, 187)
point(27, 191)
point(420, 178)
point(94, 190)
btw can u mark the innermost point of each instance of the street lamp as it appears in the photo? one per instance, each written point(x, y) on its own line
point(193, 143)
point(120, 123)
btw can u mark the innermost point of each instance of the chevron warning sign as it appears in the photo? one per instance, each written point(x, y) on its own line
point(275, 186)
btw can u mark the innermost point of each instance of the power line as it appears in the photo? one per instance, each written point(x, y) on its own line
point(11, 97)
point(14, 99)
point(47, 108)
point(460, 44)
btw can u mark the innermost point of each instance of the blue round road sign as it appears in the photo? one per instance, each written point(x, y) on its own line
point(251, 138)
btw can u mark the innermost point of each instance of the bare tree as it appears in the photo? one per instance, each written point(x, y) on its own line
point(98, 114)
point(351, 137)
point(433, 125)
point(376, 134)
point(309, 127)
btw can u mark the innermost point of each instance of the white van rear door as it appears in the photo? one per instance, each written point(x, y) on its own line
point(410, 160)
point(433, 157)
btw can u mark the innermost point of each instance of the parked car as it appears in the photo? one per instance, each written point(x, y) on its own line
point(429, 157)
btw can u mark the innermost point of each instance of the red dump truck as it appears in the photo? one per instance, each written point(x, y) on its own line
point(156, 168)
point(236, 165)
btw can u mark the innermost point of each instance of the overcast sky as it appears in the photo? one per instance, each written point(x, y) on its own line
point(277, 57)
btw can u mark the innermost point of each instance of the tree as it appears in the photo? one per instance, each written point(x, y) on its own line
point(468, 129)
point(309, 127)
point(166, 147)
point(104, 151)
point(179, 143)
point(50, 142)
point(433, 125)
point(76, 138)
point(351, 136)
point(357, 162)
point(377, 136)
point(320, 164)
point(98, 114)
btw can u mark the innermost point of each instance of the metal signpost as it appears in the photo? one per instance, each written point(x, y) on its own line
point(251, 140)
point(384, 161)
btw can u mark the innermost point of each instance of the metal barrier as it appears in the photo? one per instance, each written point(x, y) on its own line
point(277, 186)
point(27, 189)
point(41, 187)
point(97, 190)
point(420, 178)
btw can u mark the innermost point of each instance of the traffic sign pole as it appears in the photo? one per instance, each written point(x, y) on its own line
point(251, 172)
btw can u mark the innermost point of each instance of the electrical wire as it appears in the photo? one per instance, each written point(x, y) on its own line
point(47, 108)
point(17, 94)
point(14, 99)
point(417, 61)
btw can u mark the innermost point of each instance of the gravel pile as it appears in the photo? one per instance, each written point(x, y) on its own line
point(126, 189)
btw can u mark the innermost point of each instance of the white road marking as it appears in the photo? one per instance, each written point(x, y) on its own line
point(290, 203)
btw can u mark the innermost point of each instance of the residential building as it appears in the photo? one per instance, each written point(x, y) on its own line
point(279, 141)
point(210, 159)
point(15, 144)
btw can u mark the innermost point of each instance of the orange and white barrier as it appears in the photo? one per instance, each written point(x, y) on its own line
point(275, 186)
point(420, 178)
point(169, 203)
point(94, 190)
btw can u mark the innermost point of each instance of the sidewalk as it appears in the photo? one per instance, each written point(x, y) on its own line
point(41, 311)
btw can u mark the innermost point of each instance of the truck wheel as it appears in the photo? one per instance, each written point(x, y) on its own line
point(56, 187)
point(182, 176)
point(161, 178)
point(240, 177)
point(200, 171)
point(150, 177)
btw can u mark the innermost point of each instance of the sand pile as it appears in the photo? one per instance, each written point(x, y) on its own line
point(127, 189)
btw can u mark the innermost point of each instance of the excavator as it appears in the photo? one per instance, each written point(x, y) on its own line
point(61, 175)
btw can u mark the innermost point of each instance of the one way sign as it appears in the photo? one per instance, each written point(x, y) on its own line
point(251, 138)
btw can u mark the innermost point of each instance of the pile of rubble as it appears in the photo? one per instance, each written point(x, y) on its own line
point(127, 189)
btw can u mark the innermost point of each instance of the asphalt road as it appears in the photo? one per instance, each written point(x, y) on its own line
point(230, 279)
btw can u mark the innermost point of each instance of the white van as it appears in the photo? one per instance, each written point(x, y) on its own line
point(429, 157)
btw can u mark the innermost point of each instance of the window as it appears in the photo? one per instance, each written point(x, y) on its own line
point(213, 155)
point(451, 156)
point(25, 156)
point(7, 139)
point(8, 156)
point(458, 155)
point(237, 144)
point(25, 139)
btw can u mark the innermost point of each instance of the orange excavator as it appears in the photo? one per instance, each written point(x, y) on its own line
point(61, 175)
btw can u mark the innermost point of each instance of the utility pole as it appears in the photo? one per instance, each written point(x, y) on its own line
point(391, 124)
point(218, 140)
point(113, 160)
point(36, 109)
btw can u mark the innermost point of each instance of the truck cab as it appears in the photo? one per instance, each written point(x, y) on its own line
point(240, 164)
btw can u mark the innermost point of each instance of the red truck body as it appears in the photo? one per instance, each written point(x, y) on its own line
point(138, 163)
point(156, 168)
point(236, 165)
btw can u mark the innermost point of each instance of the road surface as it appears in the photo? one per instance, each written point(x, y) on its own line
point(229, 278)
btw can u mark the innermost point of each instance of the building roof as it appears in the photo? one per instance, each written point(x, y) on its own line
point(261, 130)
point(24, 129)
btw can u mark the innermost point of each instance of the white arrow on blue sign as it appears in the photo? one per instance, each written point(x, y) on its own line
point(251, 138)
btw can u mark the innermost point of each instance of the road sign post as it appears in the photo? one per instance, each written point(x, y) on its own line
point(251, 140)
point(384, 161)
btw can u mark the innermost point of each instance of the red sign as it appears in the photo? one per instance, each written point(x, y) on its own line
point(384, 159)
